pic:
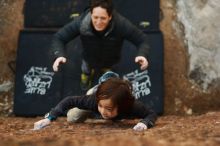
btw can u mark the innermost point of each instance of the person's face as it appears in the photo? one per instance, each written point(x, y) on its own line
point(106, 109)
point(100, 18)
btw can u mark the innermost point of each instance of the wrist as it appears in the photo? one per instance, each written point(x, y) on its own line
point(148, 123)
point(50, 117)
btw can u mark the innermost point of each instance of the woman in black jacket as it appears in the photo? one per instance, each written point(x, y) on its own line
point(113, 100)
point(102, 31)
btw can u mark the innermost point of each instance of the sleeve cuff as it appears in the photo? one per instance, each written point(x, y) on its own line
point(50, 117)
point(149, 123)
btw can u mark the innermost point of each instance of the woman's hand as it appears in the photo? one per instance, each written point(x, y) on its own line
point(41, 124)
point(142, 61)
point(57, 62)
point(140, 127)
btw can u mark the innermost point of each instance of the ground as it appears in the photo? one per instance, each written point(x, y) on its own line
point(200, 130)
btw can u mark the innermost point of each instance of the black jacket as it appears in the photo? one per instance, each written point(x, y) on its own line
point(100, 50)
point(88, 102)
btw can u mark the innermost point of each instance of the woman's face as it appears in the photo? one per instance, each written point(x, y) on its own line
point(100, 18)
point(107, 109)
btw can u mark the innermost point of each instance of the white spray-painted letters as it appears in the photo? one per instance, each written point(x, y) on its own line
point(140, 82)
point(37, 80)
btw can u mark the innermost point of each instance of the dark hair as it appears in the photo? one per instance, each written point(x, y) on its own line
point(119, 91)
point(106, 4)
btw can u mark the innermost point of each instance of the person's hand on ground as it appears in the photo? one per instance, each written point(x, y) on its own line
point(140, 127)
point(41, 124)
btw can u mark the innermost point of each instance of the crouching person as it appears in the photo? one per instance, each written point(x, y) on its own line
point(113, 100)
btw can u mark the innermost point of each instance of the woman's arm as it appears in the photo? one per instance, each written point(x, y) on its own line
point(63, 36)
point(133, 34)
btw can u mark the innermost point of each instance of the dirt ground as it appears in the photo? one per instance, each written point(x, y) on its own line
point(200, 130)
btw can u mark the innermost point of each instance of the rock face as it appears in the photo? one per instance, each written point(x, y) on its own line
point(191, 41)
point(11, 22)
point(201, 21)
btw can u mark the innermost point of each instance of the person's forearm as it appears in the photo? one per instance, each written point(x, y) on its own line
point(57, 48)
point(150, 119)
point(63, 36)
point(63, 106)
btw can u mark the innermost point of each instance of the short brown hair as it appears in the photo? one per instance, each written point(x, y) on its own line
point(119, 91)
point(106, 4)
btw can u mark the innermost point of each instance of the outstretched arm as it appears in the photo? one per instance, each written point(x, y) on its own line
point(138, 38)
point(82, 102)
point(61, 38)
